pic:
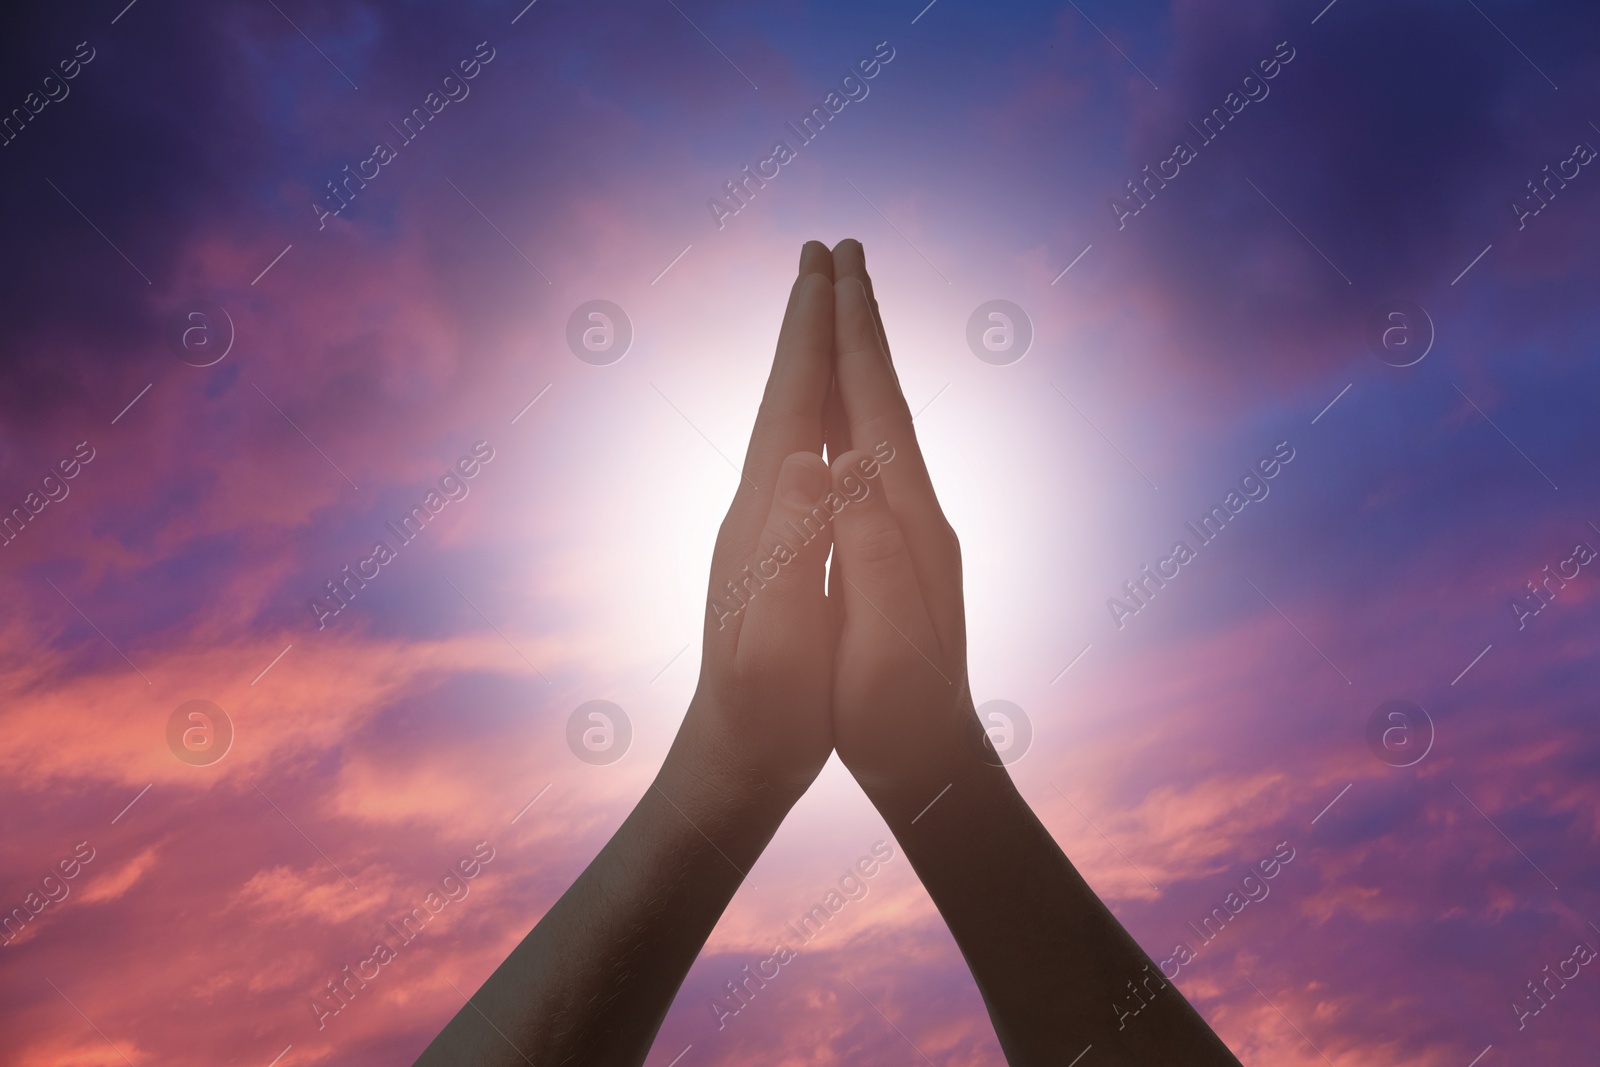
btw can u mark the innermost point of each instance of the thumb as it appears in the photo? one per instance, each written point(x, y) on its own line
point(880, 582)
point(787, 567)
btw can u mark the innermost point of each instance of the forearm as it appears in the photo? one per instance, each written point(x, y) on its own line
point(593, 980)
point(1056, 970)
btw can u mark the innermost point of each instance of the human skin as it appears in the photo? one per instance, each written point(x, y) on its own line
point(867, 658)
point(1050, 959)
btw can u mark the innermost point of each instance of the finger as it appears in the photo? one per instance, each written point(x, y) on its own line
point(877, 413)
point(836, 439)
point(850, 261)
point(874, 405)
point(847, 262)
point(835, 424)
point(791, 406)
point(816, 259)
point(881, 592)
point(781, 587)
point(790, 417)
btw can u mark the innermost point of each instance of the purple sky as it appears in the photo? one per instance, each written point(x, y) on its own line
point(1384, 164)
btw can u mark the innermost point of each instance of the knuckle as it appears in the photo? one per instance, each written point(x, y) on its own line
point(877, 544)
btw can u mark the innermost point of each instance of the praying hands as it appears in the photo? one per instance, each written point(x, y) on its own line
point(865, 657)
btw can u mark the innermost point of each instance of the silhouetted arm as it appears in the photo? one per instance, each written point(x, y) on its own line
point(1057, 972)
point(593, 980)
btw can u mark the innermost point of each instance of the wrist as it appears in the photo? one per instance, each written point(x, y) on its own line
point(713, 780)
point(939, 766)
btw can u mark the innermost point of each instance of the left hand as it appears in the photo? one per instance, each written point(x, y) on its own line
point(760, 717)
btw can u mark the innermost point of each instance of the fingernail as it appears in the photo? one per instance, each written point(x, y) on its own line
point(801, 483)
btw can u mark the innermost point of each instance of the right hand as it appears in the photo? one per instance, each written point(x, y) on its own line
point(903, 720)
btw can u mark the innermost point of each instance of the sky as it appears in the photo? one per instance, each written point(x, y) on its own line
point(1370, 274)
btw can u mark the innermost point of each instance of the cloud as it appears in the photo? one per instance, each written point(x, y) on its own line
point(113, 886)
